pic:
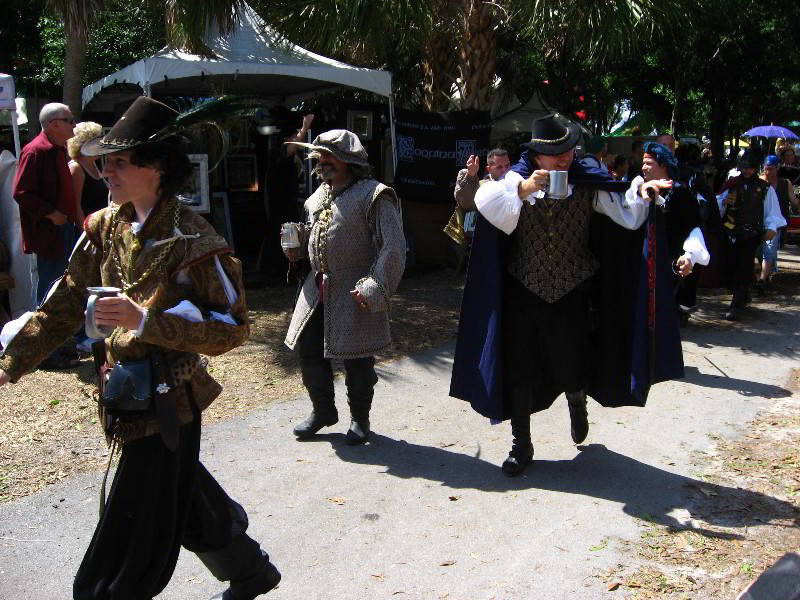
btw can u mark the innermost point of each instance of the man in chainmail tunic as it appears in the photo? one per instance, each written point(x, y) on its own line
point(357, 253)
point(546, 307)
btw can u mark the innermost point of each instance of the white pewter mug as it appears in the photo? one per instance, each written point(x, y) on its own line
point(92, 329)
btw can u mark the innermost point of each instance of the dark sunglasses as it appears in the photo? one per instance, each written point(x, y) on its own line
point(71, 121)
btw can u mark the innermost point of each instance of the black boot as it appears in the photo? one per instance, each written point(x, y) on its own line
point(323, 414)
point(360, 380)
point(245, 566)
point(359, 421)
point(578, 416)
point(734, 312)
point(521, 454)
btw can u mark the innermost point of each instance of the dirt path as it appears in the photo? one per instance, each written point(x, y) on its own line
point(49, 427)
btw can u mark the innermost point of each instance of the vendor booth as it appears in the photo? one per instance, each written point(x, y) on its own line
point(251, 61)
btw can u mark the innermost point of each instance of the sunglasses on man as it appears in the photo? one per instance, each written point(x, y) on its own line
point(71, 121)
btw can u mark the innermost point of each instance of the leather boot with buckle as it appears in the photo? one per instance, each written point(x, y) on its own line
point(578, 416)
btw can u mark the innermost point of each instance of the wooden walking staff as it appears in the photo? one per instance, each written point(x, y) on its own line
point(651, 284)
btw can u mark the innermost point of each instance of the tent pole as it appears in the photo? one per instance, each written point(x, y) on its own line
point(15, 125)
point(146, 90)
point(391, 129)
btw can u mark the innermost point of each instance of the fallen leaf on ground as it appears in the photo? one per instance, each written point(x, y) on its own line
point(447, 563)
point(378, 576)
point(337, 500)
point(613, 585)
point(454, 498)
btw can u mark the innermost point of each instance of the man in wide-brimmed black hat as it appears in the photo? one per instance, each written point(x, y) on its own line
point(524, 335)
point(750, 214)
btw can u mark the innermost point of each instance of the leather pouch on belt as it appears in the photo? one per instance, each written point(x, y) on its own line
point(128, 390)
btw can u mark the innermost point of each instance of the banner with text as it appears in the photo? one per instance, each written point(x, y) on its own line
point(432, 147)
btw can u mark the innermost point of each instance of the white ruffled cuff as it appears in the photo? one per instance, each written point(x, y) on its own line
point(695, 247)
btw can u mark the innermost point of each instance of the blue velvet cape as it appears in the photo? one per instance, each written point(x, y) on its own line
point(620, 369)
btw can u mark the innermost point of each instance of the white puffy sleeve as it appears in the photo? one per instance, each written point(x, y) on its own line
point(499, 201)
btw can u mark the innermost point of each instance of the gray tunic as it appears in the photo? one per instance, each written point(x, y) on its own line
point(357, 242)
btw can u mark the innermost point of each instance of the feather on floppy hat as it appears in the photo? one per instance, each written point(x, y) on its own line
point(343, 144)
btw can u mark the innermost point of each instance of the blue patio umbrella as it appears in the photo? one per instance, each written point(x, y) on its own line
point(771, 131)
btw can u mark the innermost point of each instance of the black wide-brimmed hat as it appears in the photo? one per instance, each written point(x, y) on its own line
point(752, 158)
point(143, 123)
point(550, 135)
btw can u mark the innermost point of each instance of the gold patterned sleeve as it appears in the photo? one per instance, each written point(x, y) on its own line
point(59, 316)
point(211, 336)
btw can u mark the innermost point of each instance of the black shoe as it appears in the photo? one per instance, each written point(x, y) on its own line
point(266, 580)
point(683, 319)
point(358, 432)
point(761, 287)
point(316, 421)
point(245, 566)
point(733, 313)
point(521, 456)
point(578, 416)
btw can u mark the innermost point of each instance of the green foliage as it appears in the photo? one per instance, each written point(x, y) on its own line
point(121, 34)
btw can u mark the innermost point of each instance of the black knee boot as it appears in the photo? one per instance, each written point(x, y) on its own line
point(245, 566)
point(318, 380)
point(578, 415)
point(521, 453)
point(360, 380)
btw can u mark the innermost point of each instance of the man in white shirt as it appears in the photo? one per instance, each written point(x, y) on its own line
point(546, 305)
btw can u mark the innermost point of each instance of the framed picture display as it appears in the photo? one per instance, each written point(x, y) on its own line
point(241, 173)
point(196, 193)
point(239, 129)
point(221, 217)
point(360, 123)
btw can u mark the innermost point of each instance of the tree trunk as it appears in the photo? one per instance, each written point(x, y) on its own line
point(720, 108)
point(676, 124)
point(439, 72)
point(74, 63)
point(476, 54)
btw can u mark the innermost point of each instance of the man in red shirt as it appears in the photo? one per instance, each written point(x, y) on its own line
point(43, 189)
point(47, 207)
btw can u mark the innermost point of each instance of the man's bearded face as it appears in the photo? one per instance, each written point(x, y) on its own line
point(331, 168)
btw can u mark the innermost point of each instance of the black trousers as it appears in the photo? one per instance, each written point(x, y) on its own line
point(159, 500)
point(546, 344)
point(317, 372)
point(739, 257)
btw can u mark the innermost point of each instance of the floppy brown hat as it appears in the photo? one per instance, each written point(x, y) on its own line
point(343, 144)
point(141, 124)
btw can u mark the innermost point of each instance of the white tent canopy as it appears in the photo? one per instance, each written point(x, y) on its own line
point(239, 66)
point(513, 117)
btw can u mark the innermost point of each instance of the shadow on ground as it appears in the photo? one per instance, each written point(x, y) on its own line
point(742, 386)
point(643, 491)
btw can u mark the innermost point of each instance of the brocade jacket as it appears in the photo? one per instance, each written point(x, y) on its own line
point(356, 242)
point(176, 256)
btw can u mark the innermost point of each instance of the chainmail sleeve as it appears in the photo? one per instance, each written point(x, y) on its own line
point(387, 270)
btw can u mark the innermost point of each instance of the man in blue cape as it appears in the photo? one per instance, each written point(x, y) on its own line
point(541, 269)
